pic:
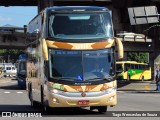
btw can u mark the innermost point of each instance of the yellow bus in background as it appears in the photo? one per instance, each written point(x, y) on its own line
point(131, 70)
point(65, 45)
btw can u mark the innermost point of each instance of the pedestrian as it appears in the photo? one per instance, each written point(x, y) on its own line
point(157, 78)
point(158, 86)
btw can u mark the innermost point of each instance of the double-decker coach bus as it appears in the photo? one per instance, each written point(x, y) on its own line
point(132, 70)
point(67, 43)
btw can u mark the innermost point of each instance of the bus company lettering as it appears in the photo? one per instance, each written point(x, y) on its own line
point(86, 89)
point(82, 46)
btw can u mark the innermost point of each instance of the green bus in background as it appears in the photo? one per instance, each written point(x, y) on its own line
point(131, 70)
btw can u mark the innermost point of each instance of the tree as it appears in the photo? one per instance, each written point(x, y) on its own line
point(10, 55)
point(139, 57)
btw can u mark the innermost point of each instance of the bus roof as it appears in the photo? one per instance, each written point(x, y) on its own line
point(72, 8)
point(77, 8)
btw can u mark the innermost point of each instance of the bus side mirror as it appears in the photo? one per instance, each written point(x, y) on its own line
point(119, 48)
point(34, 35)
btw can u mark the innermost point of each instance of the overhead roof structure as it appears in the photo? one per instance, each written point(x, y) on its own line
point(41, 4)
point(18, 3)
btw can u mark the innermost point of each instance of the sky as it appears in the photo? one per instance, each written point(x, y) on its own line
point(17, 16)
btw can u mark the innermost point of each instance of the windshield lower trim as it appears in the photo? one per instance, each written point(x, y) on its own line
point(81, 83)
point(79, 40)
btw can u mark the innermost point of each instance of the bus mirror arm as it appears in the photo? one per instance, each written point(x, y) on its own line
point(45, 50)
point(119, 48)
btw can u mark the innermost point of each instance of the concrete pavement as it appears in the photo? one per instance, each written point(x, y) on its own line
point(138, 86)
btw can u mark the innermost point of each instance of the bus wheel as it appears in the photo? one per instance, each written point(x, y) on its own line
point(129, 77)
point(46, 108)
point(102, 109)
point(34, 104)
point(142, 78)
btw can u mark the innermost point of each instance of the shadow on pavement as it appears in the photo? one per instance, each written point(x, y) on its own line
point(121, 84)
point(71, 112)
point(134, 85)
point(62, 112)
point(10, 87)
point(14, 108)
point(14, 78)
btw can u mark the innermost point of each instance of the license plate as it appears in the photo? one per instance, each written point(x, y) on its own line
point(83, 102)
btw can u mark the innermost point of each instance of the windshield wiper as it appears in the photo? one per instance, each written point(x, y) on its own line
point(109, 78)
point(65, 78)
point(60, 34)
point(99, 78)
point(99, 33)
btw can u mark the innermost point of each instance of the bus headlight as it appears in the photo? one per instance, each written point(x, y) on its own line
point(109, 90)
point(55, 91)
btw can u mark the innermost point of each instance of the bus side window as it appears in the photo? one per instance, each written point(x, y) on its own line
point(132, 66)
point(127, 66)
point(148, 67)
point(141, 67)
point(136, 66)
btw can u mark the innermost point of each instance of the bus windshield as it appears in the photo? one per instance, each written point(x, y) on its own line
point(82, 65)
point(22, 67)
point(80, 25)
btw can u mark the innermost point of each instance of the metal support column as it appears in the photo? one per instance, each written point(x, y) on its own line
point(42, 4)
point(151, 63)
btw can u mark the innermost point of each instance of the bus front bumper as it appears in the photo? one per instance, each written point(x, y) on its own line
point(56, 100)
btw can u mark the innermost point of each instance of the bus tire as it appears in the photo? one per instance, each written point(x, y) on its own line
point(34, 104)
point(29, 91)
point(102, 109)
point(128, 78)
point(46, 108)
point(42, 97)
point(142, 78)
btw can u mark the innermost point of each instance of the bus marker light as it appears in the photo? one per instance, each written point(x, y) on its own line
point(111, 98)
point(55, 100)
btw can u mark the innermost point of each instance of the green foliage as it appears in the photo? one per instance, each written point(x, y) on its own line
point(10, 55)
point(139, 57)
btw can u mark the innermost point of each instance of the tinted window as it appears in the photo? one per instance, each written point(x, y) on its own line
point(80, 25)
point(136, 66)
point(81, 65)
